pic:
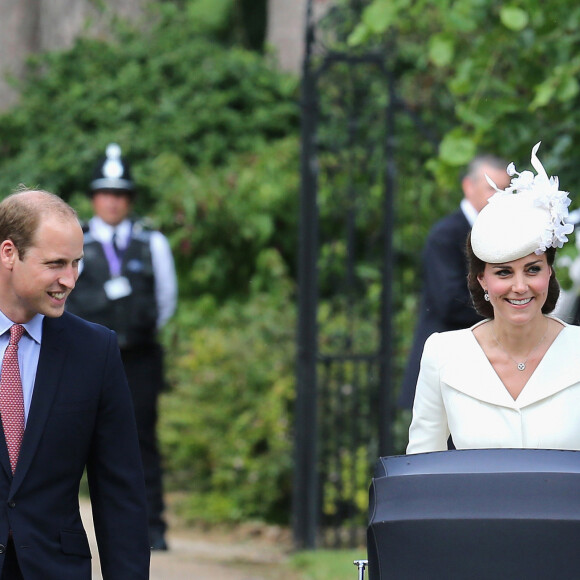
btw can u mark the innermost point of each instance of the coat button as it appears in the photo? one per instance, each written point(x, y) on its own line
point(11, 504)
point(2, 548)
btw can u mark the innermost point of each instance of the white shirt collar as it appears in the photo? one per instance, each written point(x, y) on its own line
point(103, 232)
point(469, 211)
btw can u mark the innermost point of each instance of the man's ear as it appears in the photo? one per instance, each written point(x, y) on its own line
point(8, 254)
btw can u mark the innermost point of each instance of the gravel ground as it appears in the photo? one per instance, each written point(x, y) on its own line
point(248, 553)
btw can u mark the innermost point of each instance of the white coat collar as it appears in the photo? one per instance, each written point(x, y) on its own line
point(478, 379)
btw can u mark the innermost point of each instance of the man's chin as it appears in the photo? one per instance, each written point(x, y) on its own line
point(54, 312)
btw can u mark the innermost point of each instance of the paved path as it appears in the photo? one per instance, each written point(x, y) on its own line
point(195, 555)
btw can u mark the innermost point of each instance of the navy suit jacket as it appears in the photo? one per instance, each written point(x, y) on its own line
point(80, 416)
point(445, 300)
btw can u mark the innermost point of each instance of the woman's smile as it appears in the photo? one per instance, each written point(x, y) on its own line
point(519, 301)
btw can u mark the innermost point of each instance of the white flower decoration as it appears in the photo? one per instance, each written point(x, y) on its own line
point(561, 232)
point(525, 180)
point(546, 193)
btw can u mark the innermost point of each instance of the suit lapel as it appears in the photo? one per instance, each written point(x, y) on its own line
point(4, 458)
point(50, 363)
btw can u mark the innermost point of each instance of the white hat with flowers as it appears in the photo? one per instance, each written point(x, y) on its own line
point(527, 217)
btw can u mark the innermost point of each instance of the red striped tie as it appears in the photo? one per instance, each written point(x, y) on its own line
point(11, 399)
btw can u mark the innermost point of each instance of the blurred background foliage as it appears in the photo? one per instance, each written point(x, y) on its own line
point(504, 73)
point(211, 125)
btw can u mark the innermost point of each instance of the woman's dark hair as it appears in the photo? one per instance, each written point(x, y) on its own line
point(475, 267)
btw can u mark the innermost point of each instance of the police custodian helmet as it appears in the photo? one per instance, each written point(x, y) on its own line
point(112, 173)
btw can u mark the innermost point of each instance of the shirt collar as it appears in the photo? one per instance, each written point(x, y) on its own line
point(33, 327)
point(469, 211)
point(103, 232)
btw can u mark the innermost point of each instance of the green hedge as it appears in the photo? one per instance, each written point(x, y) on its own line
point(226, 422)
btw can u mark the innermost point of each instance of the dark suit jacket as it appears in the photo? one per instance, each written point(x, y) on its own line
point(80, 415)
point(445, 300)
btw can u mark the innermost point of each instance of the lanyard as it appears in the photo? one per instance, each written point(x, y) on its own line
point(114, 256)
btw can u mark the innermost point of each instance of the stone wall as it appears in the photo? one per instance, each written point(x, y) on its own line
point(286, 29)
point(28, 26)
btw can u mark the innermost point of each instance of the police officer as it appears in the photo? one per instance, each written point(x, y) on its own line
point(128, 283)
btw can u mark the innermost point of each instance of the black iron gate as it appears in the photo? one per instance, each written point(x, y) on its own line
point(343, 408)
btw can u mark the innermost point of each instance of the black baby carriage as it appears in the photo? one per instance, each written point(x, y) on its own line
point(475, 514)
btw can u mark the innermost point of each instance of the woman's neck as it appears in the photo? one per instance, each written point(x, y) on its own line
point(519, 339)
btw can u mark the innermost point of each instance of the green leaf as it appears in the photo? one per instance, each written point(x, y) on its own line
point(359, 35)
point(544, 93)
point(457, 150)
point(568, 89)
point(380, 15)
point(441, 50)
point(514, 18)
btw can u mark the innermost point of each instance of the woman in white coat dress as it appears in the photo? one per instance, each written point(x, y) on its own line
point(512, 380)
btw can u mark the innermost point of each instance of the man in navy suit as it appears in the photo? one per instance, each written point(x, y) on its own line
point(77, 410)
point(445, 301)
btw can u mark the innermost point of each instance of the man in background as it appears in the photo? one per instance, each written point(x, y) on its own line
point(128, 283)
point(445, 301)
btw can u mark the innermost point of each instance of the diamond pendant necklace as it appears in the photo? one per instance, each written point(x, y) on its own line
point(521, 365)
